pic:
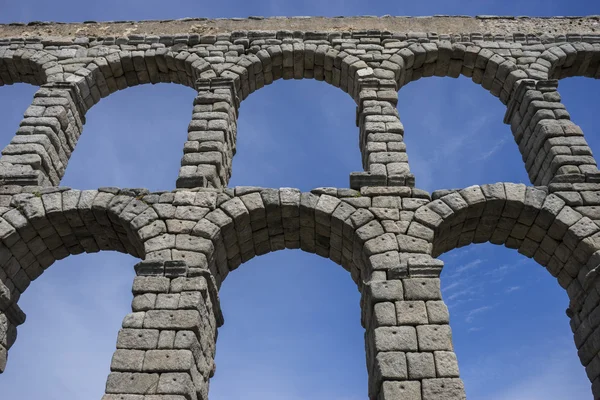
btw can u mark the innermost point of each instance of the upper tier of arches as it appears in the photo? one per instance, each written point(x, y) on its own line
point(84, 74)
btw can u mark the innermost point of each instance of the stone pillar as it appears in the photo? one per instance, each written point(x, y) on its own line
point(166, 347)
point(381, 137)
point(210, 148)
point(408, 338)
point(40, 151)
point(553, 148)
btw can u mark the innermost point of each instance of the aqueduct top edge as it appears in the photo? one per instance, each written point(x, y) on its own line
point(440, 24)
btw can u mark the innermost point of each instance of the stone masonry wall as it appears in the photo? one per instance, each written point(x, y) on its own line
point(383, 230)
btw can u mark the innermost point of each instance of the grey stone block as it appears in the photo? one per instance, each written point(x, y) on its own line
point(177, 383)
point(405, 390)
point(390, 365)
point(127, 360)
point(131, 383)
point(384, 314)
point(401, 338)
point(437, 312)
point(168, 360)
point(172, 319)
point(385, 290)
point(434, 337)
point(411, 313)
point(422, 289)
point(134, 320)
point(446, 365)
point(150, 284)
point(143, 302)
point(443, 389)
point(420, 365)
point(144, 339)
point(167, 301)
point(166, 339)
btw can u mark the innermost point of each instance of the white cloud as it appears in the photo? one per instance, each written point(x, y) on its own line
point(466, 267)
point(465, 292)
point(452, 286)
point(493, 150)
point(513, 289)
point(475, 312)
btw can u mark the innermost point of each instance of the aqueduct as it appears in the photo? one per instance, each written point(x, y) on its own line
point(384, 230)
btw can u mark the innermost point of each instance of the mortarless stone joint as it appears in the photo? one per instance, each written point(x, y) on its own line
point(383, 230)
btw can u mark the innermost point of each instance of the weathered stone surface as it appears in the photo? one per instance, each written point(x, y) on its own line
point(411, 313)
point(135, 383)
point(127, 360)
point(402, 338)
point(409, 390)
point(422, 289)
point(443, 389)
point(386, 290)
point(420, 365)
point(446, 365)
point(384, 231)
point(391, 365)
point(137, 339)
point(437, 312)
point(434, 337)
point(168, 360)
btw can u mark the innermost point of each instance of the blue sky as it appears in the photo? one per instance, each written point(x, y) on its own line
point(292, 320)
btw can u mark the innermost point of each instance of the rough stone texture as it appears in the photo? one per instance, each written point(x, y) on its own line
point(383, 230)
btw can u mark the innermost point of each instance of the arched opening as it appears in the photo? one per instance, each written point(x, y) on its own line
point(74, 311)
point(14, 100)
point(133, 138)
point(292, 330)
point(455, 136)
point(296, 134)
point(510, 332)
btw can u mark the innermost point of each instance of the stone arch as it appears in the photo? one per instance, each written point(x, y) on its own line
point(312, 59)
point(412, 61)
point(120, 69)
point(249, 222)
point(39, 153)
point(537, 224)
point(384, 157)
point(568, 60)
point(317, 60)
point(27, 65)
point(42, 227)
